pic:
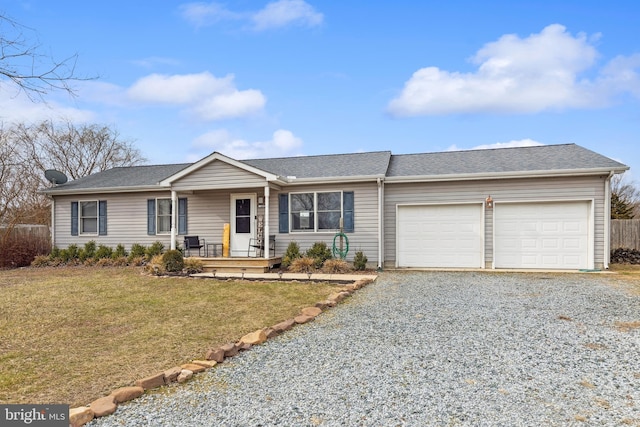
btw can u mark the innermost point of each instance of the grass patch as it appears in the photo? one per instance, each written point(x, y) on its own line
point(71, 335)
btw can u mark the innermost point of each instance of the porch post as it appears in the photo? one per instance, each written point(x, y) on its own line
point(265, 238)
point(174, 218)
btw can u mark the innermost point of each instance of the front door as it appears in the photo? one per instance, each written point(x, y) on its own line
point(243, 214)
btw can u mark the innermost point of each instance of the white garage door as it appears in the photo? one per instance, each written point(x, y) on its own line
point(542, 235)
point(440, 236)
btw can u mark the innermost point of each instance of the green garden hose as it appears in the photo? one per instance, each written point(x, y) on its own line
point(336, 250)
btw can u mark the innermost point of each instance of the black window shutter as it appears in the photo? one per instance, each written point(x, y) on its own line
point(182, 216)
point(102, 217)
point(151, 217)
point(347, 211)
point(74, 218)
point(283, 213)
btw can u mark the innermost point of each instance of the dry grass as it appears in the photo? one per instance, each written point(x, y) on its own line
point(70, 335)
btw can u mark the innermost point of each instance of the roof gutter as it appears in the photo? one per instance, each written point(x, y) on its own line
point(52, 192)
point(502, 175)
point(333, 180)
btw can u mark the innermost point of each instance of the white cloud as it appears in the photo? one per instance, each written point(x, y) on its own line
point(203, 14)
point(521, 75)
point(285, 12)
point(16, 107)
point(277, 14)
point(208, 97)
point(511, 144)
point(282, 143)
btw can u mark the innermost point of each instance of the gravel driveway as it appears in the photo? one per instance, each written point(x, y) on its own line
point(431, 349)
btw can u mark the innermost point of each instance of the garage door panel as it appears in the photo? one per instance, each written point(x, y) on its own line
point(448, 235)
point(542, 235)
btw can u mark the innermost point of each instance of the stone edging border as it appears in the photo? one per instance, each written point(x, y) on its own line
point(109, 404)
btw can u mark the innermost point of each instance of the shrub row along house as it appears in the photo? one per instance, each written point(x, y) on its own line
point(543, 207)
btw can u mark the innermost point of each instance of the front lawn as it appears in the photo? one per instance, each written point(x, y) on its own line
point(70, 335)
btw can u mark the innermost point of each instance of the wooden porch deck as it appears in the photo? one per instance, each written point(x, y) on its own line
point(239, 264)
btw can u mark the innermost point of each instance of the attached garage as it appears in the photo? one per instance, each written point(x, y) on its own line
point(448, 235)
point(543, 235)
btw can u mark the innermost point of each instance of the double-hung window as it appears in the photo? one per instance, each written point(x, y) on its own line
point(89, 217)
point(163, 212)
point(316, 211)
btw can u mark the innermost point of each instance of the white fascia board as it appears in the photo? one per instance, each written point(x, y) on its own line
point(109, 190)
point(502, 175)
point(212, 157)
point(334, 180)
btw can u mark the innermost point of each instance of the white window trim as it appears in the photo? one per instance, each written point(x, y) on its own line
point(81, 231)
point(167, 233)
point(315, 212)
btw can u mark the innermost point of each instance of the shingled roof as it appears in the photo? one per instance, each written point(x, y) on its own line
point(542, 158)
point(551, 159)
point(326, 166)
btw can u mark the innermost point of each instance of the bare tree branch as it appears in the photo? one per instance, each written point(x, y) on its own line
point(28, 68)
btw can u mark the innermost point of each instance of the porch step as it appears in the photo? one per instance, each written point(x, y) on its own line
point(239, 265)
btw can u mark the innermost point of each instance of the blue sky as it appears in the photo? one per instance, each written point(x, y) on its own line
point(255, 79)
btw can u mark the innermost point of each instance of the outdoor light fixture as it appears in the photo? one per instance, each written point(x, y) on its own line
point(489, 201)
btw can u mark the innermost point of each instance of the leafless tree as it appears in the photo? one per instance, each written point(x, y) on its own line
point(26, 151)
point(24, 63)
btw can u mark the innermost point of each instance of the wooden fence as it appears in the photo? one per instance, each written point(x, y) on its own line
point(625, 233)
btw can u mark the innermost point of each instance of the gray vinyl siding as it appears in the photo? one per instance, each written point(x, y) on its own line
point(512, 190)
point(365, 235)
point(126, 220)
point(219, 175)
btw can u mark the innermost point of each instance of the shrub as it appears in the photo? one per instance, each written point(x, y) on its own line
point(55, 252)
point(302, 265)
point(89, 250)
point(137, 250)
point(120, 252)
point(119, 261)
point(103, 252)
point(155, 266)
point(137, 261)
point(104, 262)
point(333, 266)
point(172, 261)
point(292, 253)
point(156, 248)
point(69, 254)
point(320, 253)
point(360, 261)
point(41, 261)
point(193, 266)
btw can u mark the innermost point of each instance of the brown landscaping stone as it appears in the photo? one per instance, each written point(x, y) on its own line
point(125, 394)
point(215, 354)
point(321, 305)
point(337, 297)
point(229, 349)
point(351, 288)
point(243, 346)
point(310, 311)
point(193, 367)
point(103, 406)
point(302, 319)
point(80, 416)
point(185, 375)
point(331, 303)
point(254, 338)
point(151, 382)
point(270, 332)
point(206, 363)
point(171, 374)
point(284, 326)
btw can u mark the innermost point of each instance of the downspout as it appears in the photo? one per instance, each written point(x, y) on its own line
point(607, 225)
point(174, 219)
point(265, 238)
point(380, 225)
point(53, 222)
